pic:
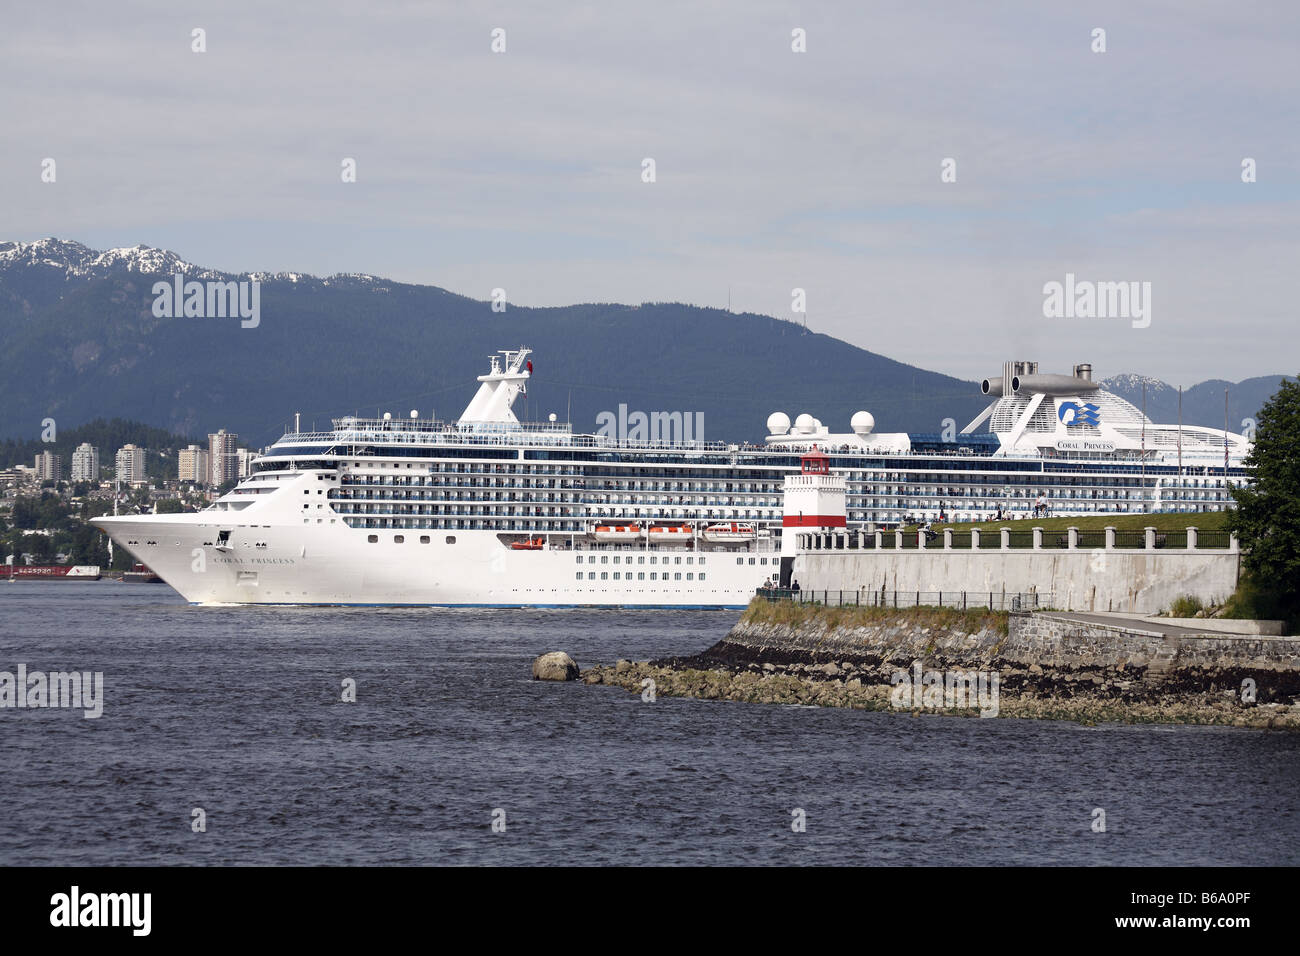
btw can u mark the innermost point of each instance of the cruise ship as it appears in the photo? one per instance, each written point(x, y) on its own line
point(489, 511)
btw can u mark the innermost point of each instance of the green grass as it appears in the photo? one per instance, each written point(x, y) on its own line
point(1186, 606)
point(969, 621)
point(1207, 521)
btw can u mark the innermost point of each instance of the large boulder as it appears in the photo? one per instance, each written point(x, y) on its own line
point(556, 665)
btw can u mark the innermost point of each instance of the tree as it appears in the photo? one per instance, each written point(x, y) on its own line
point(1267, 516)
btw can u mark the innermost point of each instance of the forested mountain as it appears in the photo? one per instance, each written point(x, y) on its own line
point(82, 342)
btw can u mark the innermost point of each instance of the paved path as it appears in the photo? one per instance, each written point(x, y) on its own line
point(1138, 623)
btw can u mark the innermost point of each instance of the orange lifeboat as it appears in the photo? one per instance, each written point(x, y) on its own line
point(617, 532)
point(665, 534)
point(528, 544)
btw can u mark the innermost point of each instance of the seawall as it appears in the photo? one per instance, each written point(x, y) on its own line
point(1142, 582)
point(1047, 665)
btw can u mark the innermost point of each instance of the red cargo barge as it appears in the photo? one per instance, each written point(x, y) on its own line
point(52, 572)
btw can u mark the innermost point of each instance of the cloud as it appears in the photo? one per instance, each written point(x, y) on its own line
point(775, 170)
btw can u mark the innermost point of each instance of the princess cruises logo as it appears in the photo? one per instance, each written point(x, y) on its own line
point(1074, 413)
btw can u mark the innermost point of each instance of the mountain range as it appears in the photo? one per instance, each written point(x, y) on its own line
point(82, 341)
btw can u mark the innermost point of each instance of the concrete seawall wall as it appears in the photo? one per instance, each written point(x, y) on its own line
point(1042, 665)
point(1142, 582)
point(1033, 641)
point(1039, 638)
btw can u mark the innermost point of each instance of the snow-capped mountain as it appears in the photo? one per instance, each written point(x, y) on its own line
point(36, 275)
point(1130, 384)
point(75, 260)
point(1202, 404)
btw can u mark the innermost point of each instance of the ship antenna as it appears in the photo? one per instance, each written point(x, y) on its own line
point(1144, 447)
point(1180, 431)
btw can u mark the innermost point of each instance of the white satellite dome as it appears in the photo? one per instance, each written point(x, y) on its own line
point(778, 423)
point(805, 423)
point(862, 423)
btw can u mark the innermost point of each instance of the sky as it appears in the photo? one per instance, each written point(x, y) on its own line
point(774, 170)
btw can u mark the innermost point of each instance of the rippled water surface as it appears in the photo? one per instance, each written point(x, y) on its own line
point(238, 711)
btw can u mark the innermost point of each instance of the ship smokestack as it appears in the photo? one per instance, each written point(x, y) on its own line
point(1084, 372)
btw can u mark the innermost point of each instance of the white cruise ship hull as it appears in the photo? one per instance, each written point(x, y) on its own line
point(337, 565)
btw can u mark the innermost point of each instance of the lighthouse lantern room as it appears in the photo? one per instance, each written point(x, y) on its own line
point(814, 498)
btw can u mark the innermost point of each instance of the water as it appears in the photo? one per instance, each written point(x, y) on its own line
point(237, 711)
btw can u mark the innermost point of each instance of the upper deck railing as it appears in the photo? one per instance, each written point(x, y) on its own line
point(434, 432)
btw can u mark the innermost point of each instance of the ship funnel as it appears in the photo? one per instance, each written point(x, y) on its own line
point(1052, 384)
point(991, 387)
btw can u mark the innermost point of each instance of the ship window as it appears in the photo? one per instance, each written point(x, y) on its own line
point(690, 560)
point(451, 539)
point(372, 538)
point(617, 559)
point(604, 559)
point(578, 558)
point(701, 575)
point(740, 560)
point(578, 575)
point(641, 559)
point(399, 539)
point(604, 575)
point(640, 575)
point(591, 575)
point(654, 575)
point(702, 560)
point(751, 560)
point(677, 576)
point(424, 539)
point(690, 576)
point(762, 560)
point(616, 575)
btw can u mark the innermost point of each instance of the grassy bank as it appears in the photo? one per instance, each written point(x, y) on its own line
point(970, 621)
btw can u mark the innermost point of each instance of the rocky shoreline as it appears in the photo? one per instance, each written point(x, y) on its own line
point(824, 659)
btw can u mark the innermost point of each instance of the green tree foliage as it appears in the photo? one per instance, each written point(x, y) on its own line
point(47, 511)
point(1267, 517)
point(108, 436)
